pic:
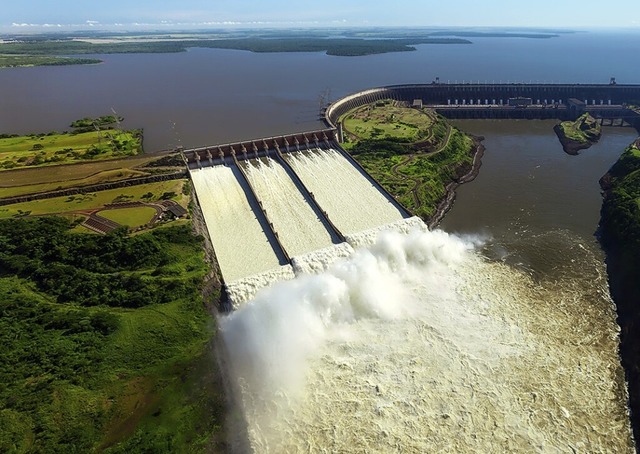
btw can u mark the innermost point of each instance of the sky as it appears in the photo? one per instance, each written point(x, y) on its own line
point(170, 14)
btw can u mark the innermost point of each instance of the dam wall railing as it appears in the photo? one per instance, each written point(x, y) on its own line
point(493, 100)
point(250, 149)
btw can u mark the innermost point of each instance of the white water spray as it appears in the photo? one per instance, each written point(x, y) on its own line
point(418, 344)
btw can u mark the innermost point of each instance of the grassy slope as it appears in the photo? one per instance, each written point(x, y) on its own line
point(416, 178)
point(96, 199)
point(39, 175)
point(106, 176)
point(65, 148)
point(75, 378)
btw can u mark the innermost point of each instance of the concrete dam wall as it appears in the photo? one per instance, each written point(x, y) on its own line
point(265, 213)
point(492, 100)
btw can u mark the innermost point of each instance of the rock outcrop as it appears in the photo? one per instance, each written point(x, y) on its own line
point(578, 135)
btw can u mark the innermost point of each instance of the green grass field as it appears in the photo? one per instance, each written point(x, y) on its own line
point(411, 152)
point(131, 217)
point(385, 120)
point(65, 148)
point(58, 205)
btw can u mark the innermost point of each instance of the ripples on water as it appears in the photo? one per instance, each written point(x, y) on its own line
point(420, 343)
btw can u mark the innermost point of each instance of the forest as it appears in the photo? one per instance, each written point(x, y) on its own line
point(94, 329)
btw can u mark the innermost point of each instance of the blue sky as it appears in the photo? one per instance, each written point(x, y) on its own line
point(192, 13)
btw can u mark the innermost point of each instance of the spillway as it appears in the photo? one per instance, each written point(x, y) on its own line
point(354, 203)
point(243, 244)
point(300, 228)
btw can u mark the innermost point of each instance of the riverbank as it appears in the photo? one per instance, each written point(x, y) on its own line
point(450, 190)
point(619, 234)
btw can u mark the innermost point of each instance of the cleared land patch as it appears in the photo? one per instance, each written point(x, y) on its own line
point(389, 119)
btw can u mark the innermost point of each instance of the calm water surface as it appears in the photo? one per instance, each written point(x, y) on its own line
point(210, 96)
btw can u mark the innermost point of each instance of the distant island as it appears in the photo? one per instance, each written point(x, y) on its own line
point(579, 134)
point(52, 49)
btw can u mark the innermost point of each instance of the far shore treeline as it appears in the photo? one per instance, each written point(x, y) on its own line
point(55, 48)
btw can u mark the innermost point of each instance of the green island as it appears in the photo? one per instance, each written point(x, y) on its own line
point(619, 234)
point(414, 153)
point(106, 299)
point(579, 134)
point(52, 48)
point(90, 139)
point(331, 46)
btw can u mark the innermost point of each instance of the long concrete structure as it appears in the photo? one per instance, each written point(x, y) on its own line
point(250, 149)
point(561, 101)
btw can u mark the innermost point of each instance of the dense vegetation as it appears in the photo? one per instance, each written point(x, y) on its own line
point(332, 46)
point(621, 210)
point(620, 236)
point(413, 153)
point(101, 339)
point(13, 61)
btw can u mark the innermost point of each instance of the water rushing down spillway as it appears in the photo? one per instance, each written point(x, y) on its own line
point(247, 249)
point(404, 339)
point(299, 227)
point(417, 343)
point(240, 240)
point(354, 202)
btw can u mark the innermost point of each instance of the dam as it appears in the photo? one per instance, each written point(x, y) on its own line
point(266, 209)
point(359, 330)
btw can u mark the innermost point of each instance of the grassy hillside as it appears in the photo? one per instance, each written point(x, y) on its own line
point(413, 153)
point(620, 237)
point(105, 341)
point(64, 148)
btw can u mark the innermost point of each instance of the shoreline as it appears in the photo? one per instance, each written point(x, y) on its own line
point(616, 235)
point(446, 203)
